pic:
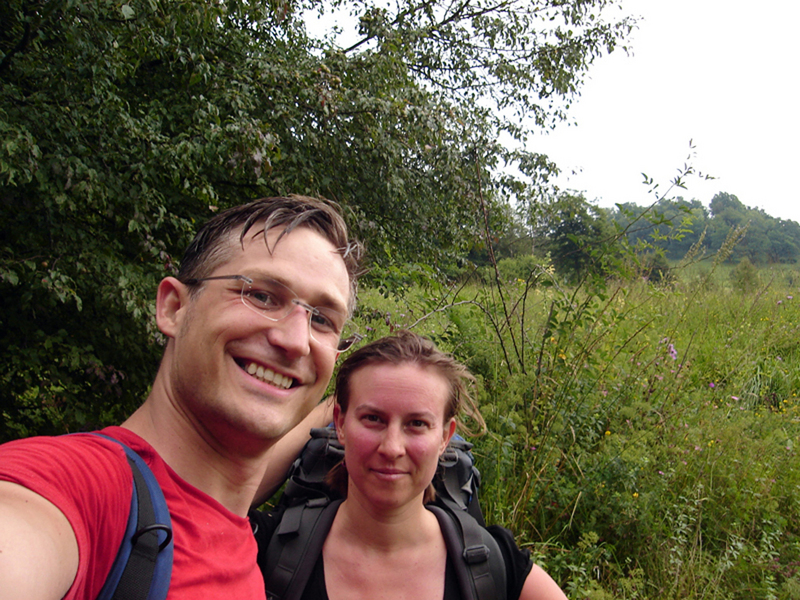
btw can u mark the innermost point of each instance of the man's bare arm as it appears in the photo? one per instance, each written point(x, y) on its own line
point(38, 549)
point(285, 450)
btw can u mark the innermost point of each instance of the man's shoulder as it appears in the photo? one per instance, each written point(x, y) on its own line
point(64, 447)
point(68, 463)
point(88, 479)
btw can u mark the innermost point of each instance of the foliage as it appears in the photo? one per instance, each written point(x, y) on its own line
point(125, 124)
point(577, 236)
point(745, 276)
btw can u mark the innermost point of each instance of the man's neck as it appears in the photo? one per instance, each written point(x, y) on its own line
point(231, 479)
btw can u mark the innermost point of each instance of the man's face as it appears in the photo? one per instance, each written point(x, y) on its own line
point(244, 379)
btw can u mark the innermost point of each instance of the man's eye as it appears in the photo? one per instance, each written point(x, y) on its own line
point(264, 299)
point(321, 322)
point(418, 424)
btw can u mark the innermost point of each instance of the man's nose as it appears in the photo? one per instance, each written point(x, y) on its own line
point(292, 333)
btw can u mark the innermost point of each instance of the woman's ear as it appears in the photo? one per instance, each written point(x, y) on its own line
point(171, 300)
point(338, 421)
point(449, 431)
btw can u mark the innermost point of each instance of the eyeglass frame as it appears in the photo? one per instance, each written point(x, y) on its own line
point(311, 310)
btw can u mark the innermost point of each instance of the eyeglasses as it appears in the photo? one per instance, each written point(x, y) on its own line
point(274, 301)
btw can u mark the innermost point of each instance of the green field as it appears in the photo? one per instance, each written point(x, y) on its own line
point(642, 439)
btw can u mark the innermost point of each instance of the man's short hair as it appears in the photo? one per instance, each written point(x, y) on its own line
point(212, 246)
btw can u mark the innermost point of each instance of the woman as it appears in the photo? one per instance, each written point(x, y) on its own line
point(397, 400)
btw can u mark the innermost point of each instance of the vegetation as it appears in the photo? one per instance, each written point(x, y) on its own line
point(638, 366)
point(642, 438)
point(124, 124)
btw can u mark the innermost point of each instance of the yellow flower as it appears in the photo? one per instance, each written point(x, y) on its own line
point(635, 494)
point(608, 432)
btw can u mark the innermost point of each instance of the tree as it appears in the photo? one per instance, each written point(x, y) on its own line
point(126, 124)
point(580, 238)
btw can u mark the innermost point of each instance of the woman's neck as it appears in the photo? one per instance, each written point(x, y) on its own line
point(359, 522)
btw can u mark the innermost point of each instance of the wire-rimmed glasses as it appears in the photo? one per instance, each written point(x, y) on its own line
point(274, 301)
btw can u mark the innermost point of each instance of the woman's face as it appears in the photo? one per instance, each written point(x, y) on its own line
point(393, 432)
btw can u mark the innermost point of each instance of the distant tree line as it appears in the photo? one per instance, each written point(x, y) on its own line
point(677, 225)
point(579, 238)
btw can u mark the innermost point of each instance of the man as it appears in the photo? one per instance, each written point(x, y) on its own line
point(254, 322)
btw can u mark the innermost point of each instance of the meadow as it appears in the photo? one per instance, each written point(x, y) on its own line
point(641, 437)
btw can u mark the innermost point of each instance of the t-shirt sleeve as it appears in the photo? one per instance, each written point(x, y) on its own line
point(518, 561)
point(88, 479)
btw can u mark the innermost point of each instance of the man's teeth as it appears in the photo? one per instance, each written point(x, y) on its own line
point(269, 376)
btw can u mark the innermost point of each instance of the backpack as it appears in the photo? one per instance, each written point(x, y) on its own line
point(309, 507)
point(143, 565)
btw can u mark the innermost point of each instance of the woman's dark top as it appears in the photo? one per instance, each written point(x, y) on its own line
point(518, 562)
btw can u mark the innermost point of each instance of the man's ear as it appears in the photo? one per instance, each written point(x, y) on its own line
point(171, 300)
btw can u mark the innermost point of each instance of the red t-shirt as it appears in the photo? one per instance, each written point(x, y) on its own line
point(89, 480)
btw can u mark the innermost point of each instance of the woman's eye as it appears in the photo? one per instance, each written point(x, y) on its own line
point(418, 424)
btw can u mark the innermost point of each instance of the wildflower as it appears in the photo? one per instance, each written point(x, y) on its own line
point(673, 353)
point(780, 302)
point(734, 397)
point(635, 494)
point(608, 432)
point(789, 297)
point(711, 384)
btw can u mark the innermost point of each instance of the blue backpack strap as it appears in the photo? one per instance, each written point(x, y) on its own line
point(143, 566)
point(296, 546)
point(478, 560)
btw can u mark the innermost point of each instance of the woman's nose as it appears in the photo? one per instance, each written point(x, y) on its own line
point(392, 442)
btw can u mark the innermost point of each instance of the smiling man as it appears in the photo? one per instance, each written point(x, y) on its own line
point(255, 321)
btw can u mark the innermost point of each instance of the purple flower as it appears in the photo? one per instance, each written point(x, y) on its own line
point(673, 353)
point(712, 385)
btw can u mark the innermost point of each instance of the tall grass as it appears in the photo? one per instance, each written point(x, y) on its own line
point(642, 439)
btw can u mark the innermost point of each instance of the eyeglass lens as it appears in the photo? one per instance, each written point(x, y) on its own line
point(275, 301)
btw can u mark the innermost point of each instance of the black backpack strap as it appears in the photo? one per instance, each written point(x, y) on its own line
point(480, 566)
point(306, 476)
point(296, 546)
point(143, 565)
point(457, 478)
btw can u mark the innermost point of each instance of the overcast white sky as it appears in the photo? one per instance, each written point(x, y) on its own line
point(722, 73)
